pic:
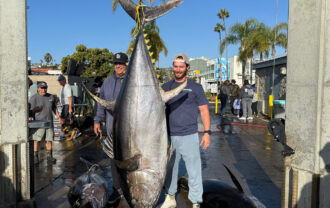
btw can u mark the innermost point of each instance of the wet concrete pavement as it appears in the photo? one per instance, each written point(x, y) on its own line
point(246, 148)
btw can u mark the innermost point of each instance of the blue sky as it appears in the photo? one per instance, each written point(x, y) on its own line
point(59, 26)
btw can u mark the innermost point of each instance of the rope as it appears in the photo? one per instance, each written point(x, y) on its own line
point(91, 168)
point(137, 19)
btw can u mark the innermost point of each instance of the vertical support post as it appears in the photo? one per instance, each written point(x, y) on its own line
point(270, 106)
point(13, 99)
point(216, 104)
point(308, 103)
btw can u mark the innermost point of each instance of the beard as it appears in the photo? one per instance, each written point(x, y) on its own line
point(180, 75)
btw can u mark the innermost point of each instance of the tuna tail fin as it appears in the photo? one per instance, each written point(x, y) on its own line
point(234, 179)
point(166, 96)
point(150, 13)
point(105, 103)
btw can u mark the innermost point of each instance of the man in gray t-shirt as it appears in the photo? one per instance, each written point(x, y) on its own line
point(43, 104)
point(66, 99)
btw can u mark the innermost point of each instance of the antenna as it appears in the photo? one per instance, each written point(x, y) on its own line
point(276, 8)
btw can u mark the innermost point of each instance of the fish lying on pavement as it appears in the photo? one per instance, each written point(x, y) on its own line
point(139, 141)
point(219, 194)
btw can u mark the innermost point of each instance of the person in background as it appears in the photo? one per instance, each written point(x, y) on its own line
point(66, 100)
point(234, 93)
point(246, 95)
point(224, 96)
point(43, 104)
point(97, 86)
point(254, 105)
point(237, 107)
point(182, 113)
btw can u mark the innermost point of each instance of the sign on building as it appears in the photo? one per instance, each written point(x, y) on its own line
point(214, 88)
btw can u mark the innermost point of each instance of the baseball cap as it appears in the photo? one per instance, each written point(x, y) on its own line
point(182, 56)
point(60, 78)
point(42, 85)
point(120, 58)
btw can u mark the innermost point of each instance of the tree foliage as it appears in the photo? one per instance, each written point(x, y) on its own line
point(156, 43)
point(256, 38)
point(97, 62)
point(221, 26)
point(48, 58)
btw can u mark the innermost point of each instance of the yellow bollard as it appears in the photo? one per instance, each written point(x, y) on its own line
point(216, 104)
point(270, 108)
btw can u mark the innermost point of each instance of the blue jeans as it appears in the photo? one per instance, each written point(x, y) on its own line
point(186, 147)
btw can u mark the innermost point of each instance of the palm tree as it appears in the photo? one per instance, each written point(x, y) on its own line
point(219, 28)
point(278, 36)
point(155, 41)
point(258, 42)
point(152, 32)
point(48, 58)
point(237, 35)
point(223, 14)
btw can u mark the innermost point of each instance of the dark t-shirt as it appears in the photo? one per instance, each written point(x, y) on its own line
point(182, 111)
point(47, 103)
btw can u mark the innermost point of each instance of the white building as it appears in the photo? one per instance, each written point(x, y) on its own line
point(236, 71)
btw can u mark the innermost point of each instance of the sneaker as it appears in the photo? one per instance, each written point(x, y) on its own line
point(169, 202)
point(50, 158)
point(242, 118)
point(250, 118)
point(196, 205)
point(77, 134)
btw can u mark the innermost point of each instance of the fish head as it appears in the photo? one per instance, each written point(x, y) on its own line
point(145, 188)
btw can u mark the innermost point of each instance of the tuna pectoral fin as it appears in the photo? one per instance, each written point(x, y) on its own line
point(131, 164)
point(166, 96)
point(105, 103)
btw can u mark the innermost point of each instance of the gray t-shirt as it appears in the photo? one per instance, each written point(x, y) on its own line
point(47, 103)
point(182, 111)
point(66, 92)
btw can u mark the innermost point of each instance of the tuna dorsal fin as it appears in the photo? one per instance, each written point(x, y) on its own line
point(234, 179)
point(150, 13)
point(105, 103)
point(166, 96)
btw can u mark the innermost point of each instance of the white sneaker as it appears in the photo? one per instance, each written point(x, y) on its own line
point(242, 118)
point(169, 202)
point(196, 205)
point(250, 118)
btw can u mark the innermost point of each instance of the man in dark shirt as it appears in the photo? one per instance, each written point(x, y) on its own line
point(43, 105)
point(182, 114)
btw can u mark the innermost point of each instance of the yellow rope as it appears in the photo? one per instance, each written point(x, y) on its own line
point(91, 168)
point(137, 19)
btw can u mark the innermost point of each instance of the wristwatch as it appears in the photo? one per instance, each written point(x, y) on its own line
point(208, 131)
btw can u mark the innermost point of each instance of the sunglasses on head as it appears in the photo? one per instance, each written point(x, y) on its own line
point(45, 88)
